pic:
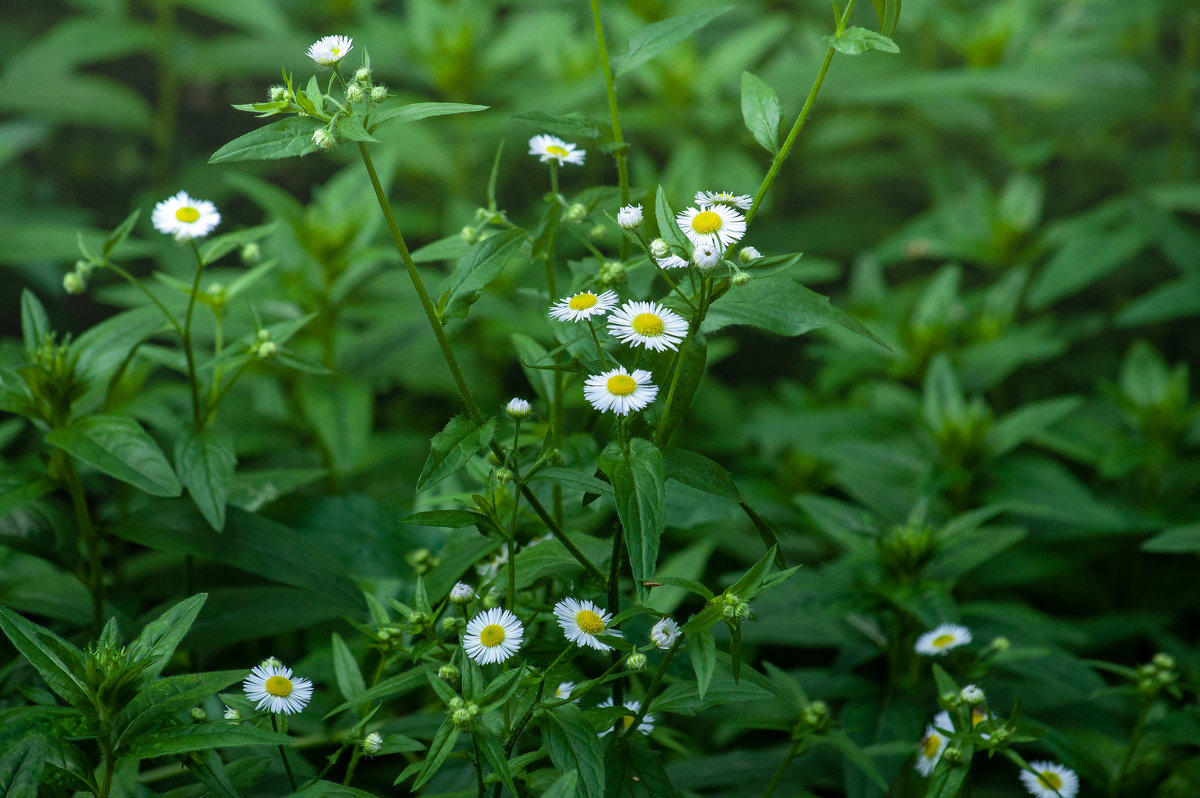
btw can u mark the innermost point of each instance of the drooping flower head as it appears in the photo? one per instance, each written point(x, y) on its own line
point(582, 305)
point(1050, 780)
point(645, 727)
point(184, 217)
point(328, 50)
point(619, 391)
point(630, 216)
point(552, 148)
point(647, 324)
point(664, 633)
point(493, 636)
point(272, 687)
point(582, 622)
point(933, 743)
point(743, 201)
point(938, 641)
point(716, 226)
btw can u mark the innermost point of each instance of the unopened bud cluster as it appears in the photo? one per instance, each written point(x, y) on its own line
point(463, 713)
point(263, 347)
point(1157, 675)
point(814, 718)
point(734, 609)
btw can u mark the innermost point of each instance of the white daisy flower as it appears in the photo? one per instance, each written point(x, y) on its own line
point(184, 217)
point(493, 636)
point(462, 593)
point(564, 690)
point(272, 687)
point(630, 216)
point(1050, 780)
point(328, 50)
point(942, 639)
point(645, 727)
point(518, 408)
point(932, 746)
point(582, 305)
point(743, 201)
point(664, 633)
point(647, 324)
point(672, 262)
point(715, 225)
point(552, 148)
point(706, 256)
point(619, 391)
point(581, 621)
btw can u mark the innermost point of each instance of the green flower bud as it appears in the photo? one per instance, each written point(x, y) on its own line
point(277, 94)
point(748, 254)
point(373, 743)
point(198, 715)
point(379, 94)
point(740, 279)
point(659, 248)
point(598, 232)
point(453, 626)
point(469, 235)
point(73, 283)
point(251, 254)
point(448, 673)
point(636, 661)
point(266, 350)
point(363, 75)
point(1164, 661)
point(576, 213)
point(1001, 644)
point(324, 139)
point(504, 476)
point(355, 93)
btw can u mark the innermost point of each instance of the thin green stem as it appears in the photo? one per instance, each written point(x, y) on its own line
point(136, 283)
point(91, 540)
point(792, 752)
point(435, 323)
point(355, 755)
point(478, 759)
point(663, 430)
point(512, 521)
point(652, 690)
point(1134, 740)
point(619, 149)
point(281, 727)
point(781, 156)
point(604, 358)
point(197, 416)
point(614, 600)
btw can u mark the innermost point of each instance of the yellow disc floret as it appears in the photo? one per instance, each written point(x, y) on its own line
point(706, 222)
point(621, 385)
point(278, 686)
point(647, 324)
point(589, 621)
point(942, 641)
point(1051, 780)
point(492, 635)
point(582, 301)
point(554, 149)
point(187, 215)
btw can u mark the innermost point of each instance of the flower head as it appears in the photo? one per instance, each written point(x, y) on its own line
point(582, 305)
point(619, 391)
point(664, 633)
point(462, 593)
point(748, 254)
point(518, 408)
point(324, 139)
point(1050, 780)
point(582, 621)
point(493, 636)
point(647, 324)
point(659, 249)
point(715, 225)
point(933, 744)
point(706, 256)
point(329, 50)
point(563, 691)
point(743, 201)
point(942, 639)
point(184, 217)
point(272, 687)
point(672, 262)
point(372, 744)
point(645, 727)
point(630, 216)
point(552, 148)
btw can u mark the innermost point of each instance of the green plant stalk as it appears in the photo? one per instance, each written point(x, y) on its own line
point(355, 755)
point(614, 599)
point(197, 416)
point(511, 565)
point(661, 432)
point(618, 138)
point(136, 283)
point(281, 727)
point(478, 760)
point(91, 541)
point(781, 156)
point(794, 750)
point(1134, 740)
point(652, 690)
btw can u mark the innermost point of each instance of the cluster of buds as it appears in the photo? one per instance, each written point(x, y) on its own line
point(1157, 675)
point(611, 272)
point(75, 281)
point(734, 609)
point(463, 713)
point(263, 347)
point(422, 560)
point(904, 550)
point(814, 719)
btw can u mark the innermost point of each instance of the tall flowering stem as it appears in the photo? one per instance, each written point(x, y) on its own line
point(618, 138)
point(782, 155)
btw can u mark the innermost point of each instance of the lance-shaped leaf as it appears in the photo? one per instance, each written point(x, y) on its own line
point(159, 638)
point(855, 40)
point(637, 477)
point(287, 138)
point(118, 446)
point(451, 448)
point(21, 767)
point(656, 37)
point(482, 263)
point(193, 737)
point(205, 462)
point(761, 111)
point(60, 663)
point(573, 745)
point(415, 111)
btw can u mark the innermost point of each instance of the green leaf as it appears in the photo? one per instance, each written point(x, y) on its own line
point(697, 471)
point(571, 126)
point(286, 138)
point(60, 663)
point(702, 649)
point(452, 519)
point(103, 348)
point(205, 462)
point(439, 749)
point(633, 770)
point(781, 305)
point(888, 13)
point(119, 235)
point(157, 706)
point(761, 112)
point(493, 751)
point(564, 786)
point(159, 638)
point(1178, 540)
point(1029, 420)
point(657, 37)
point(1178, 299)
point(530, 351)
point(944, 403)
point(573, 480)
point(389, 688)
point(21, 767)
point(855, 40)
point(638, 480)
point(450, 449)
point(119, 447)
point(668, 228)
point(341, 410)
point(35, 324)
point(482, 263)
point(350, 680)
point(413, 112)
point(1082, 261)
point(691, 374)
point(852, 753)
point(573, 745)
point(200, 737)
point(350, 128)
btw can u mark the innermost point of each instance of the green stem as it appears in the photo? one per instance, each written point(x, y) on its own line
point(782, 155)
point(197, 417)
point(599, 349)
point(91, 541)
point(663, 430)
point(792, 751)
point(614, 600)
point(512, 522)
point(281, 727)
point(354, 757)
point(1134, 740)
point(618, 138)
point(652, 690)
point(478, 758)
point(136, 283)
point(435, 323)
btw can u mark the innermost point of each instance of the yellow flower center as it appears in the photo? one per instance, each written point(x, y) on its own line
point(621, 385)
point(1051, 780)
point(554, 149)
point(187, 215)
point(336, 51)
point(582, 301)
point(279, 686)
point(941, 641)
point(627, 721)
point(492, 635)
point(706, 222)
point(977, 716)
point(647, 324)
point(930, 747)
point(589, 621)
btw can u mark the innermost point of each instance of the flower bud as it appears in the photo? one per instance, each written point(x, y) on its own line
point(518, 408)
point(953, 754)
point(504, 476)
point(972, 695)
point(379, 94)
point(251, 254)
point(462, 593)
point(266, 350)
point(448, 673)
point(740, 279)
point(324, 139)
point(598, 232)
point(271, 662)
point(1001, 644)
point(198, 715)
point(494, 459)
point(277, 94)
point(373, 743)
point(576, 213)
point(469, 234)
point(232, 714)
point(84, 267)
point(748, 254)
point(453, 626)
point(630, 217)
point(636, 661)
point(355, 93)
point(73, 283)
point(659, 248)
point(363, 75)
point(612, 272)
point(1164, 661)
